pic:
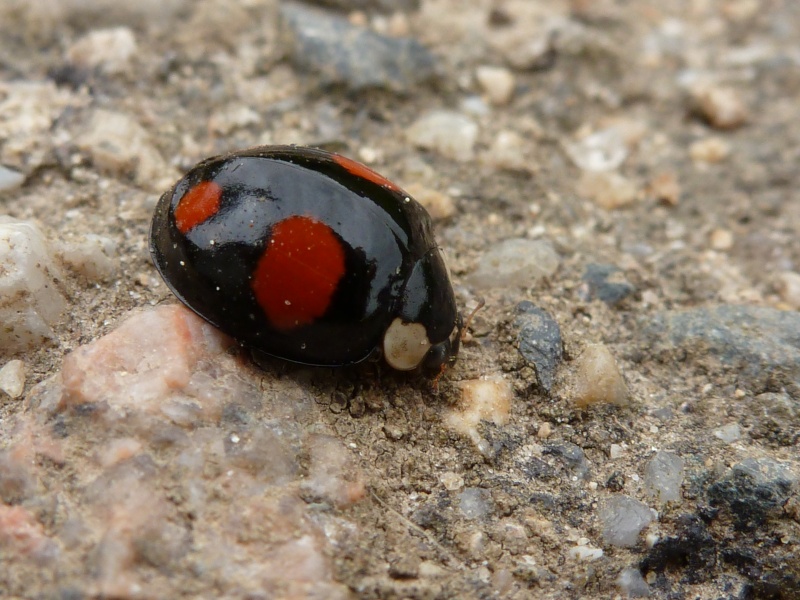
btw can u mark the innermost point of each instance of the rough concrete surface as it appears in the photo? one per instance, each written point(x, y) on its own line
point(626, 169)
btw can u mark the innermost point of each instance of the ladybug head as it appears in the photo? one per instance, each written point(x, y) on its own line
point(426, 330)
point(445, 353)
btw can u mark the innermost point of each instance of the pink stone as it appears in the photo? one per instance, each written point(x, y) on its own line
point(119, 450)
point(151, 355)
point(333, 474)
point(21, 533)
point(18, 463)
point(180, 447)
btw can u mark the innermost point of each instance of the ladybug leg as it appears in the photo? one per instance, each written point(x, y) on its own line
point(435, 382)
point(376, 356)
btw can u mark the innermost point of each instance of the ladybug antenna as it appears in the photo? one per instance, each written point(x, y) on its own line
point(435, 382)
point(481, 304)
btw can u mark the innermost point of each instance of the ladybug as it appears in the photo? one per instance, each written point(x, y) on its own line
point(310, 257)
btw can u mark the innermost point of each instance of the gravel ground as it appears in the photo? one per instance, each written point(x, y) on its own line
point(616, 179)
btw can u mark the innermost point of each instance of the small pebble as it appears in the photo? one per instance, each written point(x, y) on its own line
point(584, 553)
point(228, 119)
point(774, 416)
point(604, 150)
point(666, 189)
point(503, 582)
point(526, 42)
point(451, 481)
point(632, 584)
point(92, 256)
point(607, 189)
point(428, 570)
point(516, 262)
point(729, 433)
point(596, 378)
point(29, 110)
point(486, 399)
point(475, 503)
point(10, 179)
point(651, 539)
point(405, 566)
point(722, 107)
point(606, 283)
point(623, 518)
point(709, 150)
point(474, 106)
point(512, 535)
point(111, 51)
point(788, 286)
point(475, 543)
point(12, 378)
point(497, 83)
point(742, 11)
point(449, 133)
point(440, 206)
point(539, 341)
point(663, 477)
point(508, 152)
point(616, 451)
point(397, 24)
point(29, 285)
point(370, 155)
point(120, 146)
point(721, 239)
point(571, 456)
point(345, 52)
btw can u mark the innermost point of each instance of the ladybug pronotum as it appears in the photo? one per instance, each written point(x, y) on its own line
point(310, 257)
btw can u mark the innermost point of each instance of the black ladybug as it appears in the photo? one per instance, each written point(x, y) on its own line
point(308, 256)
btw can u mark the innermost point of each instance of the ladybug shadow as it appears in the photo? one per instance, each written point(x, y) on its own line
point(365, 386)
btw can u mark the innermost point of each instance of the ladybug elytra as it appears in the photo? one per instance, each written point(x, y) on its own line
point(308, 256)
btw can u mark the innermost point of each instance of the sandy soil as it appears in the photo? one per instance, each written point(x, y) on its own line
point(701, 100)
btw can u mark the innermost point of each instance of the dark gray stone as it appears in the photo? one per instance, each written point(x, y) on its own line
point(754, 490)
point(340, 53)
point(775, 418)
point(763, 343)
point(692, 551)
point(385, 6)
point(539, 341)
point(436, 513)
point(536, 468)
point(571, 455)
point(597, 284)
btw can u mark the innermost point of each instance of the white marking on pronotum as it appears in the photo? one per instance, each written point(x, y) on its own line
point(405, 345)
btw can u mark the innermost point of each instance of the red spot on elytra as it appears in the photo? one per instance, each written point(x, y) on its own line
point(297, 274)
point(364, 172)
point(198, 205)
